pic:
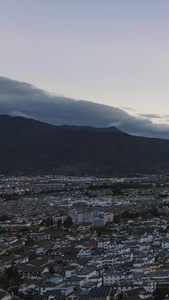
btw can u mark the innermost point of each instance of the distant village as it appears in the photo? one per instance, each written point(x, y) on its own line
point(82, 238)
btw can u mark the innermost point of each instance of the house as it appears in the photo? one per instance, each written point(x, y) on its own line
point(112, 277)
point(4, 295)
point(75, 281)
point(96, 293)
point(21, 258)
point(39, 236)
point(51, 284)
point(29, 271)
point(30, 287)
point(62, 292)
point(7, 261)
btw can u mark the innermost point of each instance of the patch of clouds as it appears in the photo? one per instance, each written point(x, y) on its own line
point(150, 116)
point(166, 117)
point(19, 114)
point(23, 99)
point(127, 108)
point(116, 124)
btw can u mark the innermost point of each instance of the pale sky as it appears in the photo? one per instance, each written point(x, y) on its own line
point(113, 52)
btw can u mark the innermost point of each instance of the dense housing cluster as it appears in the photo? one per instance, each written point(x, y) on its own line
point(84, 238)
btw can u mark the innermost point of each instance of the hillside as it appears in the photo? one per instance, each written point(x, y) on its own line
point(32, 147)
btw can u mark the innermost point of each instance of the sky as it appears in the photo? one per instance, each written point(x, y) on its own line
point(98, 62)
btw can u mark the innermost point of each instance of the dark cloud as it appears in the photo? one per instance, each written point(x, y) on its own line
point(151, 116)
point(23, 99)
point(127, 108)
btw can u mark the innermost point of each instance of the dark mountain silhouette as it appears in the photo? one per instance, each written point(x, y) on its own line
point(32, 147)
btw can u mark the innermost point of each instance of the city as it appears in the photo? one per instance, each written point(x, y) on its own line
point(84, 237)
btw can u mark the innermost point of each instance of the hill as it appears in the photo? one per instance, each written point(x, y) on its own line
point(32, 147)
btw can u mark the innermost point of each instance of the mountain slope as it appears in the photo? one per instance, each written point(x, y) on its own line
point(32, 147)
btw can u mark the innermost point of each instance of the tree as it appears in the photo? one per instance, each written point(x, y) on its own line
point(51, 222)
point(51, 270)
point(42, 223)
point(9, 273)
point(4, 282)
point(16, 276)
point(48, 222)
point(32, 255)
point(59, 223)
point(68, 222)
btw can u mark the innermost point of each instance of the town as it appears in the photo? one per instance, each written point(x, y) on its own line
point(84, 237)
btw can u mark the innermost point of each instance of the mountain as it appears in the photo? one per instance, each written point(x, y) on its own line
point(32, 147)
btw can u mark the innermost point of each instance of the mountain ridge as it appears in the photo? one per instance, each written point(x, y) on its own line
point(28, 147)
